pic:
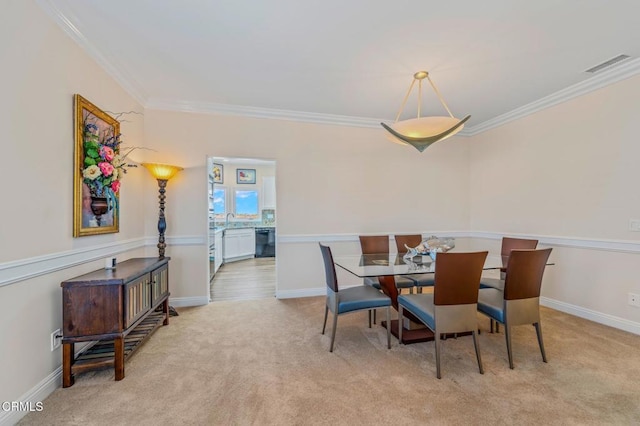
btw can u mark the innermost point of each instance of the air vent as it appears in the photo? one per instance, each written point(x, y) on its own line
point(611, 62)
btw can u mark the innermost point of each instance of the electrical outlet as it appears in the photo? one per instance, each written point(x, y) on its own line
point(634, 299)
point(634, 225)
point(56, 340)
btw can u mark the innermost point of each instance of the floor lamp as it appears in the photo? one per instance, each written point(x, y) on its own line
point(162, 172)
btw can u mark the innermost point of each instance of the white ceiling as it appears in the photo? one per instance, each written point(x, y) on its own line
point(351, 61)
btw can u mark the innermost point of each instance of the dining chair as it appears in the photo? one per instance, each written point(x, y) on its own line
point(452, 307)
point(414, 240)
point(508, 244)
point(352, 299)
point(379, 244)
point(519, 303)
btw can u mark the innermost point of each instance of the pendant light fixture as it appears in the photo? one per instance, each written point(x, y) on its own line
point(421, 132)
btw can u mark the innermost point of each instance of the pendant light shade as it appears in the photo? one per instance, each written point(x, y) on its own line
point(421, 132)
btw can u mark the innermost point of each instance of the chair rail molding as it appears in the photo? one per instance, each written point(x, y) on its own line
point(625, 246)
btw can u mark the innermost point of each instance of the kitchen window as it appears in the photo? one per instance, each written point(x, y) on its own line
point(246, 204)
point(219, 202)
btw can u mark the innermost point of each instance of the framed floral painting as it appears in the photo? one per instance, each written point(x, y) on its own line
point(218, 173)
point(98, 168)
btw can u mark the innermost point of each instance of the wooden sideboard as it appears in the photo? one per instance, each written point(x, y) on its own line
point(115, 308)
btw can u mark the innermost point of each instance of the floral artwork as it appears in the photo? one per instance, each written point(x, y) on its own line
point(99, 165)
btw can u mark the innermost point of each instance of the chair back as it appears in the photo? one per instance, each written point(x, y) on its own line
point(524, 273)
point(409, 240)
point(372, 244)
point(329, 268)
point(509, 244)
point(457, 277)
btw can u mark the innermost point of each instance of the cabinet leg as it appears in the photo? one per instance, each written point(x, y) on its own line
point(165, 309)
point(67, 360)
point(118, 346)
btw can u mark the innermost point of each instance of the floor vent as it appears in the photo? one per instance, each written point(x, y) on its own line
point(611, 62)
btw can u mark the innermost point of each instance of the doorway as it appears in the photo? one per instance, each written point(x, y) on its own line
point(242, 228)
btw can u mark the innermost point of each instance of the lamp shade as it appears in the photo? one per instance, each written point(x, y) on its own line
point(421, 132)
point(162, 171)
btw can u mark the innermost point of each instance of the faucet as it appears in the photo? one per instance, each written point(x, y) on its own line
point(226, 221)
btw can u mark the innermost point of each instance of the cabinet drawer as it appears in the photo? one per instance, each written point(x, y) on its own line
point(137, 299)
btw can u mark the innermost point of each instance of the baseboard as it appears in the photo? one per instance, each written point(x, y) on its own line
point(183, 302)
point(36, 395)
point(599, 317)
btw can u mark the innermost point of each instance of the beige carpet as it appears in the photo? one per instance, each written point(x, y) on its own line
point(264, 362)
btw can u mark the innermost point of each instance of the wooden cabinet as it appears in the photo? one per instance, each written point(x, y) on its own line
point(115, 308)
point(239, 244)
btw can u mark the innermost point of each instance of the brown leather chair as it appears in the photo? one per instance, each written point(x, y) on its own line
point(379, 244)
point(508, 244)
point(419, 280)
point(519, 303)
point(348, 300)
point(452, 307)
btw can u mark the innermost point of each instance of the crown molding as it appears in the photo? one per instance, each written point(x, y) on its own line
point(127, 82)
point(257, 112)
point(618, 73)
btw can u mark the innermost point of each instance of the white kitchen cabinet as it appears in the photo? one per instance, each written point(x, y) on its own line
point(218, 251)
point(269, 192)
point(239, 244)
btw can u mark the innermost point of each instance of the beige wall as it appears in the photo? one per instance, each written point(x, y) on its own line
point(570, 173)
point(41, 71)
point(566, 175)
point(330, 180)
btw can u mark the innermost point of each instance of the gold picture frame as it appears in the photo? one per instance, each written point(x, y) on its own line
point(97, 170)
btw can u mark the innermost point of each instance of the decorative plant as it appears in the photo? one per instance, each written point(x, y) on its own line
point(104, 163)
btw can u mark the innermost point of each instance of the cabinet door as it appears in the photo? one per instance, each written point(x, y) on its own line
point(137, 299)
point(159, 285)
point(231, 246)
point(269, 192)
point(218, 251)
point(247, 244)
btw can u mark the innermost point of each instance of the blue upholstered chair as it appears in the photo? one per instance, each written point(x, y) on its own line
point(508, 244)
point(452, 307)
point(349, 300)
point(379, 244)
point(414, 240)
point(519, 303)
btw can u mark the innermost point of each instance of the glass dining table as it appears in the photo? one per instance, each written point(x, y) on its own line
point(388, 265)
point(375, 265)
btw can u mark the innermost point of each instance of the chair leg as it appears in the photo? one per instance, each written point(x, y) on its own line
point(374, 315)
point(507, 334)
point(437, 340)
point(399, 324)
point(475, 343)
point(369, 311)
point(388, 327)
point(539, 333)
point(491, 325)
point(333, 333)
point(326, 311)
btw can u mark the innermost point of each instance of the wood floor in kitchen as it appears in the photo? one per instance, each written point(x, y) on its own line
point(244, 280)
